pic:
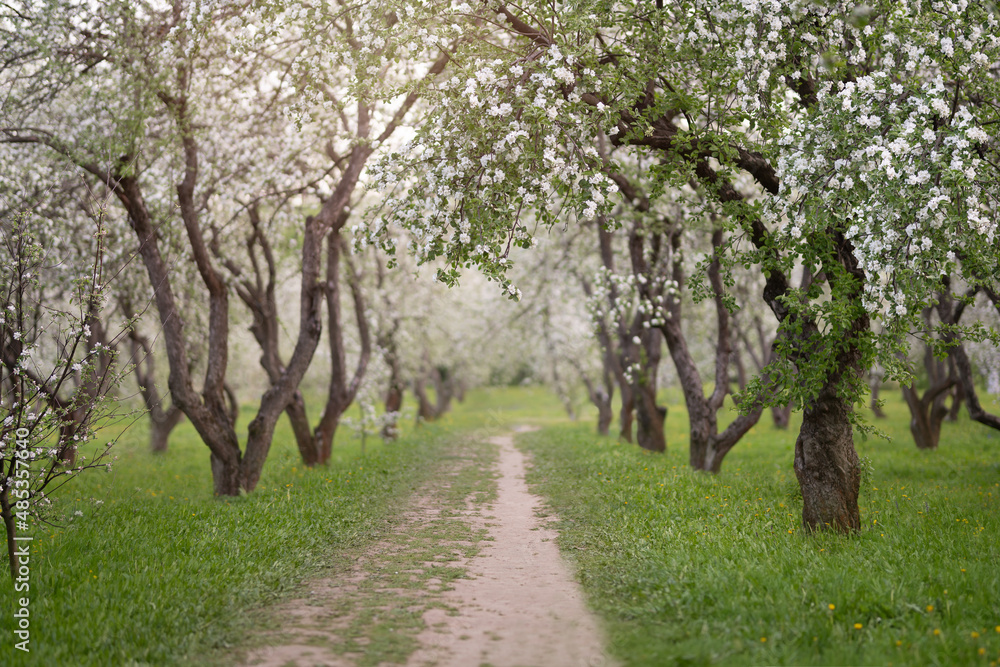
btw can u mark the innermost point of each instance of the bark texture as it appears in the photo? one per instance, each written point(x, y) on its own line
point(650, 416)
point(827, 465)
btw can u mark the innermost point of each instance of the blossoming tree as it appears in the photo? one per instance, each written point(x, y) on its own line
point(853, 142)
point(195, 114)
point(58, 351)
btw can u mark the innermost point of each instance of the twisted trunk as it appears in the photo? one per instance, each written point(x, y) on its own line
point(649, 416)
point(394, 394)
point(927, 412)
point(707, 447)
point(341, 391)
point(258, 294)
point(161, 420)
point(160, 428)
point(950, 313)
point(425, 409)
point(827, 466)
point(600, 395)
point(957, 394)
point(926, 415)
point(615, 344)
point(207, 412)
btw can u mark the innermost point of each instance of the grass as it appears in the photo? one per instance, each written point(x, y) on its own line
point(157, 570)
point(685, 568)
point(691, 569)
point(375, 620)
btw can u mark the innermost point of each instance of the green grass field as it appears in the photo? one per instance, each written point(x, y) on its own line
point(157, 571)
point(687, 568)
point(684, 568)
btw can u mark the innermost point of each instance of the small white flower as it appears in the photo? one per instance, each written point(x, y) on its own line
point(940, 106)
point(976, 134)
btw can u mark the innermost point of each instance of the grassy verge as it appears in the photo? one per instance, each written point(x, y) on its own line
point(370, 606)
point(688, 568)
point(155, 570)
point(147, 567)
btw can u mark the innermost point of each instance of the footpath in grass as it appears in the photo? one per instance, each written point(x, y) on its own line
point(145, 567)
point(370, 604)
point(687, 568)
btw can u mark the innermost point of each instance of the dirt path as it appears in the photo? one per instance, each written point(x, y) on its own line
point(469, 575)
point(520, 605)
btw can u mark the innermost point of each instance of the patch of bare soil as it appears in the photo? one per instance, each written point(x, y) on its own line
point(521, 605)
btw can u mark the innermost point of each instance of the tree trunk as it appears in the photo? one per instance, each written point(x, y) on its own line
point(67, 433)
point(425, 409)
point(976, 411)
point(927, 412)
point(707, 447)
point(206, 411)
point(649, 416)
point(232, 404)
point(957, 393)
point(443, 389)
point(397, 386)
point(615, 356)
point(605, 414)
point(951, 313)
point(7, 513)
point(161, 427)
point(625, 413)
point(325, 434)
point(299, 418)
point(226, 477)
point(341, 392)
point(600, 395)
point(925, 418)
point(393, 404)
point(875, 383)
point(827, 465)
point(781, 415)
point(161, 421)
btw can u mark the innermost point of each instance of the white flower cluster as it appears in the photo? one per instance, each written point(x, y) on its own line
point(620, 298)
point(511, 141)
point(894, 161)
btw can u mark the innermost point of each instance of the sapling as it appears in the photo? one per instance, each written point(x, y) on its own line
point(57, 371)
